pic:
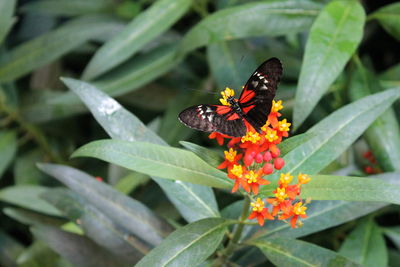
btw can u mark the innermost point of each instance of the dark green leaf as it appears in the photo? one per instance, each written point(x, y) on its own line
point(9, 250)
point(383, 136)
point(50, 46)
point(193, 201)
point(189, 245)
point(79, 250)
point(8, 147)
point(97, 226)
point(253, 19)
point(366, 245)
point(67, 7)
point(32, 218)
point(292, 252)
point(212, 157)
point(125, 211)
point(334, 37)
point(28, 197)
point(38, 254)
point(25, 170)
point(6, 18)
point(393, 233)
point(144, 28)
point(157, 160)
point(389, 17)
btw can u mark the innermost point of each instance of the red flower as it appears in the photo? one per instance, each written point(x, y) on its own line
point(260, 212)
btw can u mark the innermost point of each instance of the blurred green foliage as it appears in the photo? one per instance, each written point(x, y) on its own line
point(73, 72)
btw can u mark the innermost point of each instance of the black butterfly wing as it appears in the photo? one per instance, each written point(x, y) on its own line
point(213, 118)
point(259, 91)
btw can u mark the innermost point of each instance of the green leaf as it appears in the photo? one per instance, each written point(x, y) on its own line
point(144, 28)
point(67, 7)
point(333, 39)
point(292, 252)
point(189, 245)
point(227, 65)
point(366, 245)
point(32, 218)
point(78, 250)
point(161, 161)
point(336, 133)
point(6, 18)
point(383, 136)
point(38, 254)
point(8, 148)
point(97, 226)
point(44, 49)
point(393, 233)
point(9, 249)
point(389, 17)
point(125, 211)
point(291, 143)
point(212, 157)
point(28, 197)
point(270, 18)
point(25, 170)
point(193, 201)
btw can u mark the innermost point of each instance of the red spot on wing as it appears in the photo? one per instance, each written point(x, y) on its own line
point(221, 110)
point(247, 109)
point(234, 116)
point(247, 95)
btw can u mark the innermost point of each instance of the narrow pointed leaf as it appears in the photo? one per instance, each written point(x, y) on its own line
point(189, 245)
point(6, 18)
point(292, 252)
point(393, 233)
point(127, 212)
point(336, 133)
point(8, 147)
point(42, 50)
point(291, 143)
point(32, 218)
point(333, 38)
point(389, 17)
point(9, 250)
point(193, 201)
point(270, 18)
point(96, 225)
point(156, 160)
point(28, 197)
point(366, 245)
point(144, 28)
point(78, 250)
point(212, 157)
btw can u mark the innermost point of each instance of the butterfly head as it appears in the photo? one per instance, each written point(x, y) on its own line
point(227, 97)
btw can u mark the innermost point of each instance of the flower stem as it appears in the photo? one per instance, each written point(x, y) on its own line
point(227, 252)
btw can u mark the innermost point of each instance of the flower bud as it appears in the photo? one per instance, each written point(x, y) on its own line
point(275, 153)
point(259, 158)
point(279, 163)
point(267, 156)
point(248, 160)
point(268, 168)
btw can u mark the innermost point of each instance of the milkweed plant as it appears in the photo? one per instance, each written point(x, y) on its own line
point(97, 170)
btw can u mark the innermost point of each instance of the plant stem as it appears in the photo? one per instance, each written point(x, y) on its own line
point(227, 252)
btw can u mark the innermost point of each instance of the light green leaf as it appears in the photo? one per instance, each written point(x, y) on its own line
point(291, 143)
point(366, 245)
point(8, 148)
point(270, 18)
point(229, 65)
point(333, 39)
point(393, 233)
point(389, 17)
point(6, 18)
point(125, 211)
point(67, 7)
point(97, 226)
point(292, 252)
point(383, 136)
point(35, 53)
point(189, 245)
point(193, 201)
point(78, 250)
point(336, 133)
point(161, 161)
point(144, 28)
point(212, 157)
point(9, 250)
point(28, 197)
point(38, 254)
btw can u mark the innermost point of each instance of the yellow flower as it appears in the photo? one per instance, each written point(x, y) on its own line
point(271, 135)
point(230, 155)
point(258, 205)
point(285, 178)
point(281, 194)
point(225, 95)
point(276, 106)
point(284, 126)
point(303, 178)
point(298, 209)
point(237, 170)
point(252, 137)
point(251, 177)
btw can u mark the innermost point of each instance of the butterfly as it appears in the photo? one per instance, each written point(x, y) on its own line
point(236, 116)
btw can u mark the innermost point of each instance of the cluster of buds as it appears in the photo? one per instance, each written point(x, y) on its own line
point(249, 159)
point(372, 167)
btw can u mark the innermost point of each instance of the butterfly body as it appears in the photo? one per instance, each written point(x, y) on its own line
point(236, 116)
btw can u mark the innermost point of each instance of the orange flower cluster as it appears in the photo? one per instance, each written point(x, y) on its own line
point(256, 155)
